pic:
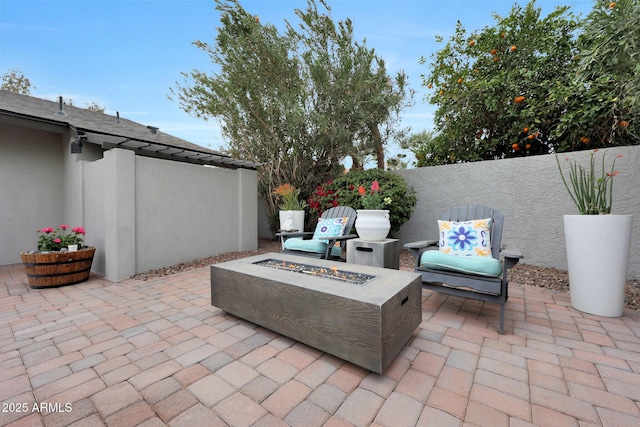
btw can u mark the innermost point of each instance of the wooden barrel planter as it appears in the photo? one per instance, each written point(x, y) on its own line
point(49, 270)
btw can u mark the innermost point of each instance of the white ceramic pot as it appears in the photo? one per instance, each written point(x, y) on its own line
point(597, 258)
point(372, 225)
point(292, 220)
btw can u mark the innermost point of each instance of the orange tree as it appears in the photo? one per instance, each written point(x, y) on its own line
point(603, 100)
point(492, 86)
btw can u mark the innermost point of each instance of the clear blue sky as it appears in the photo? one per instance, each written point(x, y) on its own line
point(126, 54)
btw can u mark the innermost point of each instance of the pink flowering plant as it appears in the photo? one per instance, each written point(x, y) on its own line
point(52, 240)
point(372, 199)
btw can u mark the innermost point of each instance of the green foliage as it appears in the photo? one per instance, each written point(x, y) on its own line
point(344, 191)
point(299, 102)
point(491, 84)
point(603, 99)
point(288, 198)
point(15, 81)
point(422, 146)
point(592, 195)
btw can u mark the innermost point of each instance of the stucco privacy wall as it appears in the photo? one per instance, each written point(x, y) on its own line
point(151, 213)
point(530, 193)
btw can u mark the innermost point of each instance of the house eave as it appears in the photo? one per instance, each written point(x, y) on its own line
point(164, 151)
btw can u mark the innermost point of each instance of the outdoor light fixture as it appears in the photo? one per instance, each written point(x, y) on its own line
point(118, 121)
point(61, 111)
point(76, 144)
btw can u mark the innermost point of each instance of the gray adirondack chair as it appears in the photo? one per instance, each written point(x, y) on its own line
point(317, 249)
point(494, 289)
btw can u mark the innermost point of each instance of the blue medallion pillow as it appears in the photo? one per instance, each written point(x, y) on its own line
point(329, 227)
point(465, 237)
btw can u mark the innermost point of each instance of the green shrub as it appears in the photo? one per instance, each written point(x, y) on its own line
point(344, 191)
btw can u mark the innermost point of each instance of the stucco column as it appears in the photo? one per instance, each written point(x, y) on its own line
point(247, 209)
point(120, 214)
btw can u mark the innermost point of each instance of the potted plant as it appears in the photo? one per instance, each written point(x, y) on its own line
point(291, 208)
point(372, 222)
point(597, 242)
point(61, 258)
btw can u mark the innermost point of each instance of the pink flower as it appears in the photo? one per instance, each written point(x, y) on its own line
point(47, 230)
point(57, 240)
point(63, 226)
point(78, 230)
point(375, 186)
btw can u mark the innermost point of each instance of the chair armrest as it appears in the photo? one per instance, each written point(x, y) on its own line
point(288, 234)
point(416, 248)
point(345, 237)
point(421, 244)
point(511, 256)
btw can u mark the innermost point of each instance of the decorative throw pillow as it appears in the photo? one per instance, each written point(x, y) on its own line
point(466, 237)
point(331, 227)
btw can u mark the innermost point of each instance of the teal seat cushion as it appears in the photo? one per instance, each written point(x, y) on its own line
point(310, 245)
point(478, 265)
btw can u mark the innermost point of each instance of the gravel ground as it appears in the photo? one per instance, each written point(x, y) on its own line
point(524, 274)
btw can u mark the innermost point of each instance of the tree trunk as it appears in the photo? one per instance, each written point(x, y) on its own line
point(377, 144)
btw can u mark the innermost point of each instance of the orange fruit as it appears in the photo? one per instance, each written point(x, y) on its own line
point(430, 86)
point(496, 59)
point(460, 80)
point(502, 34)
point(525, 130)
point(515, 146)
point(471, 43)
point(585, 140)
point(531, 136)
point(476, 70)
point(528, 146)
point(612, 5)
point(493, 51)
point(441, 92)
point(513, 48)
point(518, 99)
point(624, 124)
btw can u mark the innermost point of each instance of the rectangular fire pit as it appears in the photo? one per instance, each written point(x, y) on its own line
point(362, 314)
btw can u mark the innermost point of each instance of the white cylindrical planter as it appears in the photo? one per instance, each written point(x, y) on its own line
point(292, 220)
point(372, 225)
point(598, 258)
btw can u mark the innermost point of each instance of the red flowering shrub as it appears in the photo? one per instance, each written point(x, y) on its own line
point(324, 197)
point(392, 189)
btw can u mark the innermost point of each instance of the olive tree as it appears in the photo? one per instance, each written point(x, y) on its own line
point(298, 102)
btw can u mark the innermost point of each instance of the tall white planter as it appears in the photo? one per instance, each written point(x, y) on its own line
point(372, 225)
point(292, 220)
point(598, 258)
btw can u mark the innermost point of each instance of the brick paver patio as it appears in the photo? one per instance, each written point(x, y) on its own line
point(155, 353)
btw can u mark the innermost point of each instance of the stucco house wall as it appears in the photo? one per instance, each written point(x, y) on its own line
point(41, 185)
point(530, 194)
point(154, 202)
